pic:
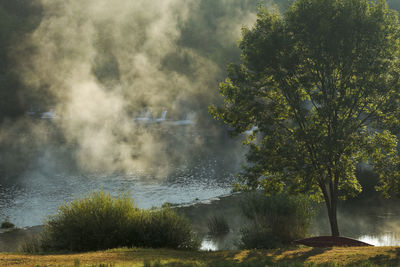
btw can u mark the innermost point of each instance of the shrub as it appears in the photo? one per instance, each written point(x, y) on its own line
point(168, 229)
point(217, 226)
point(7, 224)
point(163, 228)
point(100, 221)
point(276, 220)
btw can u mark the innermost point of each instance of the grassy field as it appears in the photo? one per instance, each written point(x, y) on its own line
point(352, 256)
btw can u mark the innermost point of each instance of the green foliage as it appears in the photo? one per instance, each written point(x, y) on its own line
point(276, 220)
point(101, 221)
point(217, 225)
point(322, 85)
point(98, 221)
point(162, 228)
point(6, 225)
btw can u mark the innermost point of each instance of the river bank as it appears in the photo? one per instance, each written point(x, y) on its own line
point(197, 212)
point(12, 239)
point(378, 228)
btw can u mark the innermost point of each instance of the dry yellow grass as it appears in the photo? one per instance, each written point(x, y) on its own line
point(136, 257)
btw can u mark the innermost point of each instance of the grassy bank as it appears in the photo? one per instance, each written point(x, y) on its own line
point(361, 256)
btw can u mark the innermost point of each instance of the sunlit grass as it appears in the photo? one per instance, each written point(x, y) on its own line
point(355, 256)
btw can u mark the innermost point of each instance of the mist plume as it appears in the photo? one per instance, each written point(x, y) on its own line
point(99, 64)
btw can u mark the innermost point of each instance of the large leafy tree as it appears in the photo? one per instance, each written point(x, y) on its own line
point(320, 88)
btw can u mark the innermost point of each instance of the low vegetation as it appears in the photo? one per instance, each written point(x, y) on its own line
point(217, 225)
point(100, 221)
point(7, 224)
point(276, 221)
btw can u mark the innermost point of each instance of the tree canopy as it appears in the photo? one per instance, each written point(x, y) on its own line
point(320, 87)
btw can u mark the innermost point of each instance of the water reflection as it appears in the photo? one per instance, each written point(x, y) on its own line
point(208, 245)
point(379, 226)
point(384, 239)
point(228, 241)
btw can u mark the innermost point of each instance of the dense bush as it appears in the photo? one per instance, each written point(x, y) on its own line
point(101, 221)
point(7, 224)
point(162, 228)
point(217, 226)
point(276, 220)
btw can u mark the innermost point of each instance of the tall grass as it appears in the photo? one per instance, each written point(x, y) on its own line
point(276, 220)
point(217, 226)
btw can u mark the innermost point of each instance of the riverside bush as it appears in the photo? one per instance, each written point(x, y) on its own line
point(275, 220)
point(100, 221)
point(217, 226)
point(165, 228)
point(6, 224)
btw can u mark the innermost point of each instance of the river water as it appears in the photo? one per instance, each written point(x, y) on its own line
point(36, 196)
point(33, 197)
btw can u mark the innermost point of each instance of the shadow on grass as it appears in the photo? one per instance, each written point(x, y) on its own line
point(257, 258)
point(285, 257)
point(381, 260)
point(281, 257)
point(300, 256)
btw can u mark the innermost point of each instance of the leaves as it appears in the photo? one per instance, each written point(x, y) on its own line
point(321, 84)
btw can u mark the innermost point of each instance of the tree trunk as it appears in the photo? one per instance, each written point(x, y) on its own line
point(333, 219)
point(331, 205)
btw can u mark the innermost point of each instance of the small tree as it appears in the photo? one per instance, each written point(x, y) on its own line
point(320, 88)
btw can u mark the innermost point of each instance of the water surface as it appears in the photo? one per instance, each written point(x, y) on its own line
point(28, 201)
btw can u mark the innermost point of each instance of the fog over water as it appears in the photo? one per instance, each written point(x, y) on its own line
point(95, 66)
point(99, 76)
